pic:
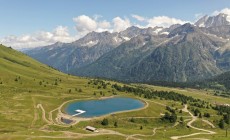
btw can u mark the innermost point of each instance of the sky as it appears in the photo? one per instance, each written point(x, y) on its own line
point(33, 23)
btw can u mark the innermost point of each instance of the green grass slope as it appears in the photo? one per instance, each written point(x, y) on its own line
point(19, 70)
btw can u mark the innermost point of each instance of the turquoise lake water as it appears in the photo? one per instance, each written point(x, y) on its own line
point(96, 108)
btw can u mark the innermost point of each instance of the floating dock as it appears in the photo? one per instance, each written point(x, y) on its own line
point(78, 112)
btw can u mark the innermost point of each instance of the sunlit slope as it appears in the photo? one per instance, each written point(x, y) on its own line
point(14, 63)
point(19, 71)
point(25, 83)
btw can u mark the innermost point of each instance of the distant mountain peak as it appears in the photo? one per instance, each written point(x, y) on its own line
point(133, 28)
point(58, 43)
point(93, 33)
point(183, 29)
point(213, 21)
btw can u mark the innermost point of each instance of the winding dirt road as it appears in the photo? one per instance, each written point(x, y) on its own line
point(43, 113)
point(194, 118)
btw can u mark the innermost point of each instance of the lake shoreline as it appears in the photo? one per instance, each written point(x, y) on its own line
point(77, 119)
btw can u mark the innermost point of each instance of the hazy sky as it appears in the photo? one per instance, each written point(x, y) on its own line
point(30, 23)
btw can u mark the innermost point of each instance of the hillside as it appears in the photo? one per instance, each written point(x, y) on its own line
point(19, 70)
point(33, 97)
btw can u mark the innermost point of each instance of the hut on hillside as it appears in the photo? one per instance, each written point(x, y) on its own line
point(92, 129)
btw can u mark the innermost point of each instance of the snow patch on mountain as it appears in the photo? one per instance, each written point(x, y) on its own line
point(164, 33)
point(117, 39)
point(126, 38)
point(157, 30)
point(90, 43)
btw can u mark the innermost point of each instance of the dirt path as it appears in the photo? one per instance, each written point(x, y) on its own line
point(194, 118)
point(155, 102)
point(139, 118)
point(208, 122)
point(43, 113)
point(142, 135)
point(73, 135)
point(68, 134)
point(35, 113)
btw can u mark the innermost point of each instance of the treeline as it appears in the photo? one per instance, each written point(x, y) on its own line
point(99, 83)
point(223, 79)
point(149, 94)
point(213, 83)
point(225, 112)
point(197, 85)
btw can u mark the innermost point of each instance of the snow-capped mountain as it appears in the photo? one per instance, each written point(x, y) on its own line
point(179, 53)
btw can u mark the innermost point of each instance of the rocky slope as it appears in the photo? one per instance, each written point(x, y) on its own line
point(186, 54)
point(70, 56)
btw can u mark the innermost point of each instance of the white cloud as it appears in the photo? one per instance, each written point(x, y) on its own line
point(104, 24)
point(164, 21)
point(61, 31)
point(84, 25)
point(41, 38)
point(224, 11)
point(139, 18)
point(120, 24)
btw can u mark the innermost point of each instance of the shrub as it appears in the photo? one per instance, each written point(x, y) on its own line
point(221, 124)
point(207, 115)
point(115, 124)
point(105, 122)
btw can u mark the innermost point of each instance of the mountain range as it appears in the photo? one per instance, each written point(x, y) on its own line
point(179, 53)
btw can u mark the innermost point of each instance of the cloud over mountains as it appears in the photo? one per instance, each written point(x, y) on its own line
point(85, 24)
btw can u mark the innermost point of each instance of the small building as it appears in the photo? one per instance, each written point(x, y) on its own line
point(92, 129)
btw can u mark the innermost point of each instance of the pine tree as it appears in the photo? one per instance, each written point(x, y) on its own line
point(132, 120)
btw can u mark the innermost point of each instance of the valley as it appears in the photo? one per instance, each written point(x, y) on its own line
point(33, 97)
point(114, 70)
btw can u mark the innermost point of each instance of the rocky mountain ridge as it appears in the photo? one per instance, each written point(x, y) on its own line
point(179, 53)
